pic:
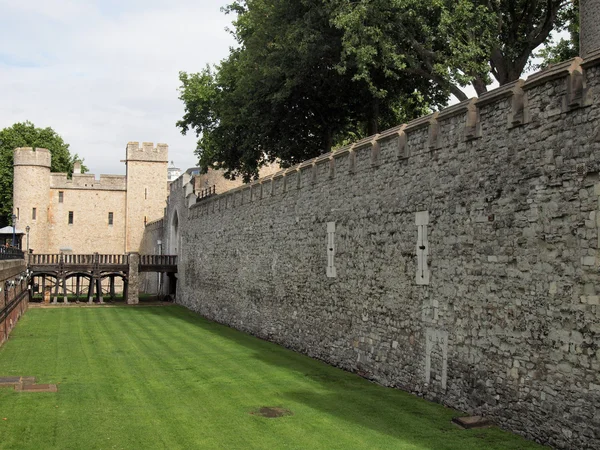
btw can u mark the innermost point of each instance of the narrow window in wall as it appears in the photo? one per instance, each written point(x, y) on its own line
point(110, 218)
point(70, 217)
point(145, 193)
point(422, 220)
point(145, 220)
point(18, 214)
point(34, 214)
point(331, 272)
point(61, 196)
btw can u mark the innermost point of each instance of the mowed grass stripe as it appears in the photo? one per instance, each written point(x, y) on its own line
point(166, 378)
point(154, 407)
point(227, 412)
point(258, 387)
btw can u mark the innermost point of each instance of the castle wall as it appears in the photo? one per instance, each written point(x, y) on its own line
point(455, 257)
point(215, 179)
point(13, 294)
point(90, 231)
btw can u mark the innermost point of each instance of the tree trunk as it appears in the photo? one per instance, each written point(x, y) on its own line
point(479, 85)
point(373, 118)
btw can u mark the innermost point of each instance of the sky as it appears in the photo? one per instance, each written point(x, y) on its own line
point(103, 73)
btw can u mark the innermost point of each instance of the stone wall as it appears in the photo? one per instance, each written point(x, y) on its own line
point(153, 233)
point(90, 231)
point(455, 257)
point(14, 297)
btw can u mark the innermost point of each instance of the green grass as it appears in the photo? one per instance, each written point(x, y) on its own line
point(162, 377)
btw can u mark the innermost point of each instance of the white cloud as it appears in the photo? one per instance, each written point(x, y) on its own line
point(105, 73)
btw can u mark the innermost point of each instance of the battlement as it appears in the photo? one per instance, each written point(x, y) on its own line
point(155, 225)
point(88, 182)
point(27, 156)
point(545, 97)
point(147, 152)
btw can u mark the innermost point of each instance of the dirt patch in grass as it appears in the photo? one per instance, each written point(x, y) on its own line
point(272, 412)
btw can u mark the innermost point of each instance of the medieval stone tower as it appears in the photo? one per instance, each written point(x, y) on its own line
point(31, 194)
point(85, 214)
point(146, 188)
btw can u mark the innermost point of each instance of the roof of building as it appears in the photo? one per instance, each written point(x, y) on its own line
point(8, 230)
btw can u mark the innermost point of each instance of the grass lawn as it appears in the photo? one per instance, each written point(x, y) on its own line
point(162, 377)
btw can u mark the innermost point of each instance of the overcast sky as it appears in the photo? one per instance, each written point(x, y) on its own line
point(103, 73)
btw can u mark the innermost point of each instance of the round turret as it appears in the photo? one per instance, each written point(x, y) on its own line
point(31, 193)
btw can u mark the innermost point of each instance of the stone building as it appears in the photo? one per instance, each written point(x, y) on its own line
point(85, 214)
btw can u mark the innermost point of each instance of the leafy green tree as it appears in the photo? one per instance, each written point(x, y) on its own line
point(555, 51)
point(25, 134)
point(308, 75)
point(281, 95)
point(451, 42)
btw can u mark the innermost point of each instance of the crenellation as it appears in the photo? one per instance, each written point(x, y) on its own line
point(28, 156)
point(88, 181)
point(147, 152)
point(553, 72)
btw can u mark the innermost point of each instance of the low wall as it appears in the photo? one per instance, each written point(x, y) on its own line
point(14, 295)
point(455, 257)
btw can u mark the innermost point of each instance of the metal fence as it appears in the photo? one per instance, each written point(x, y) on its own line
point(11, 253)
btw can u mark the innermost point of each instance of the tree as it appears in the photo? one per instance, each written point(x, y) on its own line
point(25, 134)
point(564, 49)
point(282, 94)
point(451, 42)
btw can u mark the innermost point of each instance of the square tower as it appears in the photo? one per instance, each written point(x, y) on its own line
point(146, 189)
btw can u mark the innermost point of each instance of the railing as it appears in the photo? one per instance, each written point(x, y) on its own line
point(205, 193)
point(11, 253)
point(53, 259)
point(44, 259)
point(158, 260)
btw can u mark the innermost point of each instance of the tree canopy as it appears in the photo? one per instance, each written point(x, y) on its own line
point(25, 134)
point(309, 75)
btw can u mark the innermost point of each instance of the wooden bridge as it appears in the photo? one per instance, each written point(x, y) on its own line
point(94, 268)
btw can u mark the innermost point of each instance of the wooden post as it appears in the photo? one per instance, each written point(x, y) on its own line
point(56, 283)
point(64, 286)
point(112, 287)
point(91, 290)
point(99, 293)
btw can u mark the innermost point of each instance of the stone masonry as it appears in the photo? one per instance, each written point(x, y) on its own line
point(109, 213)
point(455, 257)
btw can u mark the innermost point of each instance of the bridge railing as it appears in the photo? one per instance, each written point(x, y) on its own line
point(158, 260)
point(11, 253)
point(117, 260)
point(42, 259)
point(53, 259)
